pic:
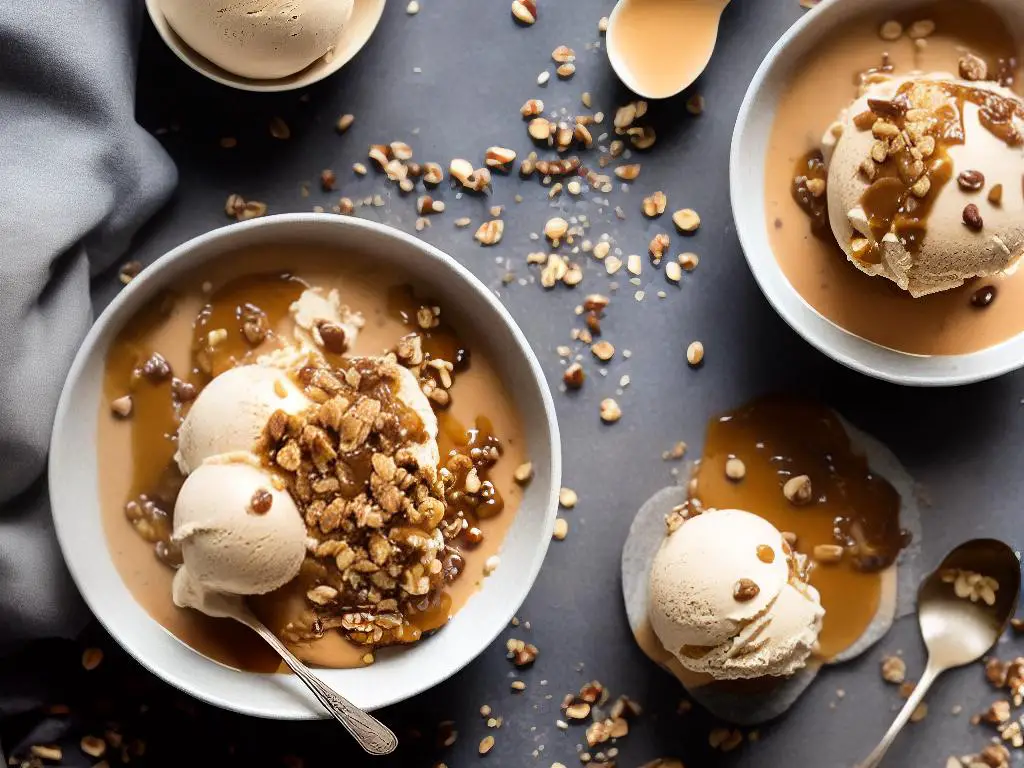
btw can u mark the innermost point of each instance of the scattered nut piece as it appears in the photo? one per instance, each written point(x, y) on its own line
point(973, 67)
point(686, 220)
point(673, 272)
point(688, 261)
point(610, 411)
point(655, 204)
point(122, 406)
point(563, 54)
point(894, 670)
point(972, 217)
point(359, 168)
point(567, 498)
point(92, 658)
point(499, 157)
point(487, 742)
point(524, 11)
point(463, 222)
point(532, 108)
point(279, 128)
point(129, 271)
point(735, 469)
point(565, 71)
point(602, 25)
point(52, 753)
point(695, 353)
point(555, 229)
point(93, 746)
point(412, 8)
point(798, 490)
point(490, 232)
point(695, 104)
point(574, 376)
point(828, 553)
point(995, 195)
point(344, 123)
point(628, 172)
point(603, 350)
point(561, 528)
point(601, 249)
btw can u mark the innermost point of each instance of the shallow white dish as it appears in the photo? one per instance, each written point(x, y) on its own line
point(365, 18)
point(747, 185)
point(74, 484)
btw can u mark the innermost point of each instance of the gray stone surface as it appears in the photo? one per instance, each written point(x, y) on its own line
point(477, 69)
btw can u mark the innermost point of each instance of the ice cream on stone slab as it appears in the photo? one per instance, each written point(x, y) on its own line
point(728, 598)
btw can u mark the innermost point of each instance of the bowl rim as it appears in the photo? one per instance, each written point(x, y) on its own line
point(77, 564)
point(207, 68)
point(844, 347)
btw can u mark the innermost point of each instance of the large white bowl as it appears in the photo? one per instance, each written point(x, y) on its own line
point(357, 32)
point(74, 491)
point(747, 182)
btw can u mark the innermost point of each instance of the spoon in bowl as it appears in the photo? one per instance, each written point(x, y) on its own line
point(963, 607)
point(659, 47)
point(372, 735)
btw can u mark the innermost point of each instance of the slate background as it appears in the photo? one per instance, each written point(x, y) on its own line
point(477, 68)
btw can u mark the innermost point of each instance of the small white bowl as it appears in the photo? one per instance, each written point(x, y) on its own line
point(365, 18)
point(747, 183)
point(74, 483)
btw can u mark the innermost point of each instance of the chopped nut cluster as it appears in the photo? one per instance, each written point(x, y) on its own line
point(971, 586)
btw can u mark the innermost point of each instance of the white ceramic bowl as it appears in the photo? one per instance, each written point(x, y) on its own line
point(74, 491)
point(747, 182)
point(365, 18)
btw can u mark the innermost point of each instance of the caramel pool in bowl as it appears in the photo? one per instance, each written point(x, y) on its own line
point(337, 246)
point(863, 322)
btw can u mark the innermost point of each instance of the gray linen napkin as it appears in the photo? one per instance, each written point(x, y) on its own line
point(78, 177)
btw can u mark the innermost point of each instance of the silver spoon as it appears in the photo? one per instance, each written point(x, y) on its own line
point(372, 735)
point(957, 630)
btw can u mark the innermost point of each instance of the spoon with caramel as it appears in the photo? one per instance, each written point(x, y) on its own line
point(963, 608)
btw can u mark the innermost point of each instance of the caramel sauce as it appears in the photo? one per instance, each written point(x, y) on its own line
point(889, 202)
point(251, 309)
point(779, 438)
point(812, 166)
point(136, 460)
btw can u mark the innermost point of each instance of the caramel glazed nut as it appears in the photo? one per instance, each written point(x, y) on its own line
point(381, 545)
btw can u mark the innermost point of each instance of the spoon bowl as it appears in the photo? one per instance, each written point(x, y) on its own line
point(963, 607)
point(659, 47)
point(957, 630)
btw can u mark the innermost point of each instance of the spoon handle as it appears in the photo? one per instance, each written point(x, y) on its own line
point(372, 735)
point(930, 673)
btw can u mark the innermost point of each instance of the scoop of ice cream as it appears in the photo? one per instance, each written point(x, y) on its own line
point(894, 202)
point(238, 533)
point(262, 39)
point(725, 598)
point(230, 413)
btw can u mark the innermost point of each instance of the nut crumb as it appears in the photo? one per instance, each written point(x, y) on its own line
point(561, 529)
point(695, 354)
point(610, 411)
point(894, 670)
point(567, 498)
point(735, 469)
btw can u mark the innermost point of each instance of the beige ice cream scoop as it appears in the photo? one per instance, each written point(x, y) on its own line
point(239, 535)
point(230, 413)
point(261, 39)
point(897, 200)
point(726, 599)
